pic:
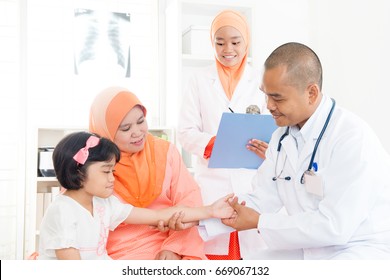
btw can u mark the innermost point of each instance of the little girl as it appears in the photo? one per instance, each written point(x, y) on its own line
point(77, 222)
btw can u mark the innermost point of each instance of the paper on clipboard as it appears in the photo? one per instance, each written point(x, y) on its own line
point(234, 132)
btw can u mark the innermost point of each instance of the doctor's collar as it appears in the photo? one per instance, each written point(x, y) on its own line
point(307, 129)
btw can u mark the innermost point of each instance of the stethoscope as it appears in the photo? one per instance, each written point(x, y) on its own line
point(287, 132)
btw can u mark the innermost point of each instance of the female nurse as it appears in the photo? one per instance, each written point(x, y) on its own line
point(229, 84)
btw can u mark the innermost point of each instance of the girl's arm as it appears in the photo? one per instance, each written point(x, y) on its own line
point(68, 254)
point(219, 209)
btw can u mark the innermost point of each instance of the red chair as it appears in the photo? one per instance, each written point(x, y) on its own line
point(234, 249)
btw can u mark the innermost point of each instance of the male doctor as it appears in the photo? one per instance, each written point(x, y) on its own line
point(323, 164)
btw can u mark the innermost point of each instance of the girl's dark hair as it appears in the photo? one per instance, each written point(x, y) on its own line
point(72, 174)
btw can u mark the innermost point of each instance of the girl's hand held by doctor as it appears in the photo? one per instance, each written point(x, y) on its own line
point(244, 217)
point(178, 221)
point(222, 208)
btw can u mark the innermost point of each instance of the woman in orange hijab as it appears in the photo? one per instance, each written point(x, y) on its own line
point(150, 174)
point(229, 84)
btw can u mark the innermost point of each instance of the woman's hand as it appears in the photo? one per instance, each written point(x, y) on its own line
point(167, 255)
point(176, 223)
point(258, 147)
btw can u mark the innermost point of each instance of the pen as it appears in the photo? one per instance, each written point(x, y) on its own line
point(231, 110)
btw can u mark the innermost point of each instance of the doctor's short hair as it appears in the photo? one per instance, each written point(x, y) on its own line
point(303, 65)
point(69, 172)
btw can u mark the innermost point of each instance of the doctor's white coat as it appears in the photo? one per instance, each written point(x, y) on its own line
point(351, 218)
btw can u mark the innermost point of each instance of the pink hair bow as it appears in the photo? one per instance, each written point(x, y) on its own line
point(82, 155)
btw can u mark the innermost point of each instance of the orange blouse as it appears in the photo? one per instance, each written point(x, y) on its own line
point(154, 178)
point(138, 242)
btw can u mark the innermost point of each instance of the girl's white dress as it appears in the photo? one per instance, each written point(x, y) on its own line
point(67, 224)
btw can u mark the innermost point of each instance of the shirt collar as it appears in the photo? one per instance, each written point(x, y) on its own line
point(308, 128)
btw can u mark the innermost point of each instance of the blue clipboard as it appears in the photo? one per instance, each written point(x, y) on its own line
point(234, 132)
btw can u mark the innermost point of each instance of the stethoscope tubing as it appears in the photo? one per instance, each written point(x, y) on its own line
point(287, 132)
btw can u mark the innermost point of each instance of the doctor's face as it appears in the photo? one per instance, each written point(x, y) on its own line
point(229, 46)
point(131, 134)
point(288, 104)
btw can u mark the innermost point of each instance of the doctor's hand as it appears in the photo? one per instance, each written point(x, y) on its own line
point(244, 217)
point(258, 147)
point(176, 223)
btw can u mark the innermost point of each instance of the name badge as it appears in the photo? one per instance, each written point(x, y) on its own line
point(313, 183)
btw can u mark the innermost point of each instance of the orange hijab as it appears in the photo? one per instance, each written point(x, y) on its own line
point(138, 178)
point(230, 76)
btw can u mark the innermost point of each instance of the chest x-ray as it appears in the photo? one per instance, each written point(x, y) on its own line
point(101, 45)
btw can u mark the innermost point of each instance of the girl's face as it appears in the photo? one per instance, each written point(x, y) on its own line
point(132, 132)
point(100, 179)
point(229, 46)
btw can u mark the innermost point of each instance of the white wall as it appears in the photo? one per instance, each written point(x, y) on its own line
point(352, 39)
point(38, 89)
point(12, 131)
point(57, 97)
